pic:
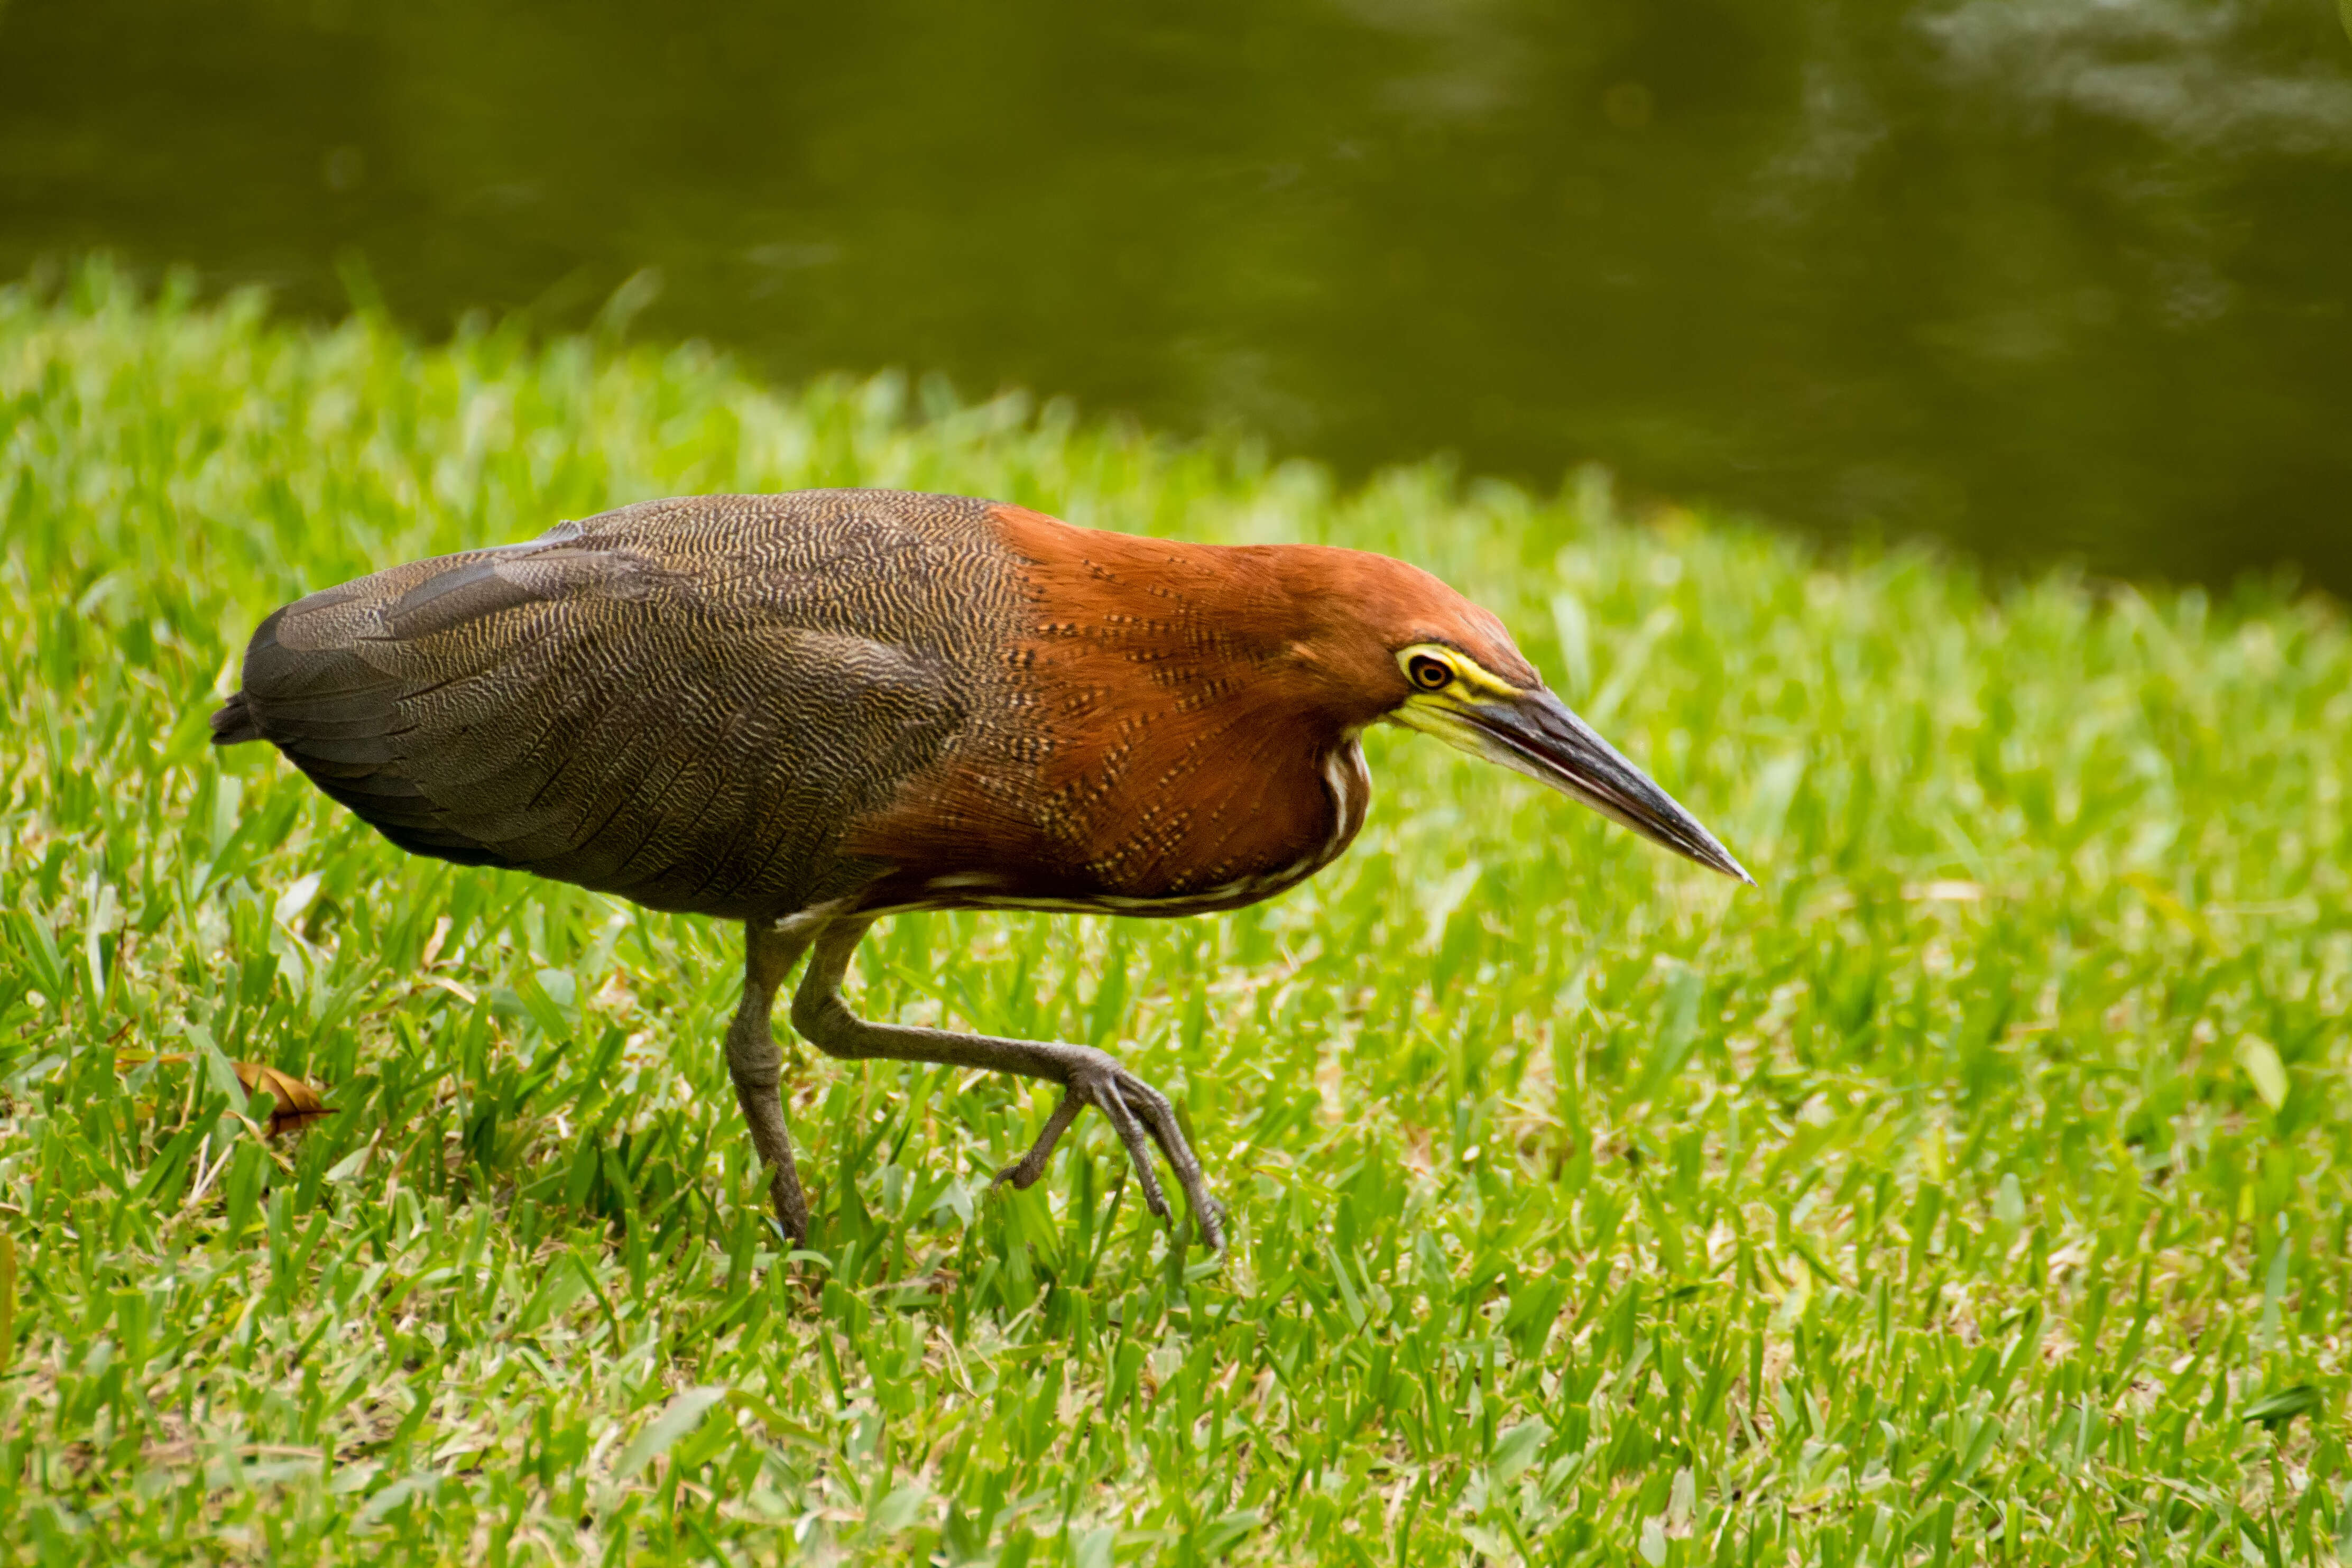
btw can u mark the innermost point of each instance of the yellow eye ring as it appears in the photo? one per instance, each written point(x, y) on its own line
point(1427, 673)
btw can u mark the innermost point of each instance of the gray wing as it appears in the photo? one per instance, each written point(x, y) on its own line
point(685, 703)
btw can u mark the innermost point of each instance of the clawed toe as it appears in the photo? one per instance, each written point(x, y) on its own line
point(1142, 1116)
point(1023, 1172)
point(1159, 1116)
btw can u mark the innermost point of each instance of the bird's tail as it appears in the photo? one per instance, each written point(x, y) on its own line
point(235, 722)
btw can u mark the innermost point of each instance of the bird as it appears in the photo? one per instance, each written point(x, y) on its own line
point(807, 711)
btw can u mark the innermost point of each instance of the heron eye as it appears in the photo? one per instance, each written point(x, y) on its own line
point(1429, 674)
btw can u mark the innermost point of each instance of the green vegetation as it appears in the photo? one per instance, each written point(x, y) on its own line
point(1975, 1190)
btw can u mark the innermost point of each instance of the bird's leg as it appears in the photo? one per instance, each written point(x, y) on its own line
point(1140, 1112)
point(756, 1066)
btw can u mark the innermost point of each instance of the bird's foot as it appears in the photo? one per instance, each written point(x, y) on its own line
point(1142, 1116)
point(790, 1205)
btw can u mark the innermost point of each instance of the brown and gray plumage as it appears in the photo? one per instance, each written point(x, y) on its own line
point(807, 711)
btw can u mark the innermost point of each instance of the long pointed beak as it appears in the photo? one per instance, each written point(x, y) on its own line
point(1534, 733)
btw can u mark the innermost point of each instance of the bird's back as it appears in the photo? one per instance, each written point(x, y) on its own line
point(684, 703)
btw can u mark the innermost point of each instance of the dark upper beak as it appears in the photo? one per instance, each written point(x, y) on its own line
point(1536, 735)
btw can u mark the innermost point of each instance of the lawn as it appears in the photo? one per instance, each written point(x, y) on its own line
point(1976, 1189)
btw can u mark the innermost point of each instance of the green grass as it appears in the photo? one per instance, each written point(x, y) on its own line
point(1972, 1190)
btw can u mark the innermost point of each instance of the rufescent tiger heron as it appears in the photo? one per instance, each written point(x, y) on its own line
point(807, 711)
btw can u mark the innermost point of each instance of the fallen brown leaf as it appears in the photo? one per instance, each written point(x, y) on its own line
point(293, 1103)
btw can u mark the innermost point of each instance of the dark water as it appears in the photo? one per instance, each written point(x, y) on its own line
point(2040, 276)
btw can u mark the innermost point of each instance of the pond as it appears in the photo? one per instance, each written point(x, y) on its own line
point(2041, 276)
